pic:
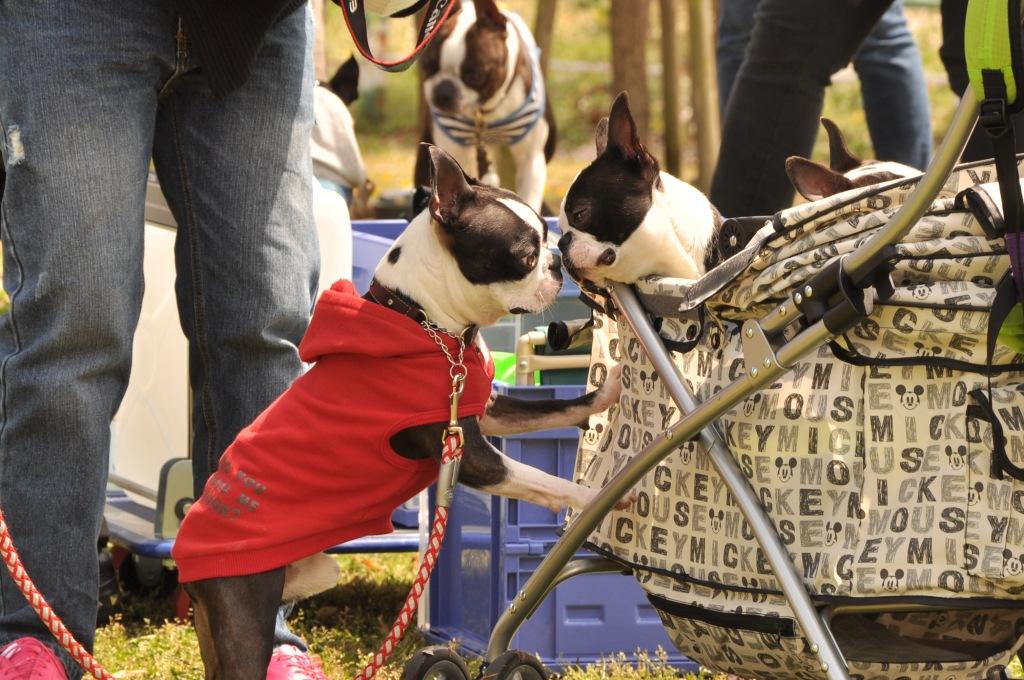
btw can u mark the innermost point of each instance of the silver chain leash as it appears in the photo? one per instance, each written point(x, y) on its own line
point(458, 369)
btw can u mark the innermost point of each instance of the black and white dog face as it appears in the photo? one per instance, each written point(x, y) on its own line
point(623, 219)
point(476, 254)
point(846, 171)
point(467, 64)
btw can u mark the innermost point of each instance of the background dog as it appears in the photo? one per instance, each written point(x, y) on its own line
point(845, 171)
point(337, 159)
point(476, 254)
point(623, 219)
point(484, 89)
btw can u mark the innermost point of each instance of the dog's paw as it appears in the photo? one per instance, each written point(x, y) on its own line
point(584, 495)
point(626, 502)
point(608, 393)
point(309, 576)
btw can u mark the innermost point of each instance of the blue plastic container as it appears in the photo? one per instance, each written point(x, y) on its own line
point(492, 547)
point(389, 229)
point(367, 251)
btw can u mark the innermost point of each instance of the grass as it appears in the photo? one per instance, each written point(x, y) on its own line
point(342, 626)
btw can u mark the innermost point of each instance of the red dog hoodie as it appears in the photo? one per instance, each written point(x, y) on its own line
point(316, 468)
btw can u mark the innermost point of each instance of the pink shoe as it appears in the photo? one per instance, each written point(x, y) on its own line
point(29, 659)
point(288, 663)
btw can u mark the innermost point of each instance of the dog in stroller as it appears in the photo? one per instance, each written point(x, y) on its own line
point(900, 504)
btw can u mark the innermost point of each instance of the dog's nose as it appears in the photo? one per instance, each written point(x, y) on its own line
point(556, 265)
point(607, 258)
point(445, 95)
point(563, 243)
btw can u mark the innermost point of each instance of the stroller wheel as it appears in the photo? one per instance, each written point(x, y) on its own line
point(515, 665)
point(435, 663)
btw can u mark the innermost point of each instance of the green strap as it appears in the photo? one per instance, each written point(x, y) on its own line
point(992, 49)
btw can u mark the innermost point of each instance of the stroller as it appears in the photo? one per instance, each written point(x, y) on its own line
point(824, 434)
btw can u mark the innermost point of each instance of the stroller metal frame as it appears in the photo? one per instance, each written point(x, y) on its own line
point(764, 364)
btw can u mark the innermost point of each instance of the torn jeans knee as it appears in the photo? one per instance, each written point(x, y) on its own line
point(14, 147)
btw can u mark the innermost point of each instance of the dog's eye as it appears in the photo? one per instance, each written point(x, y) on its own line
point(580, 216)
point(531, 261)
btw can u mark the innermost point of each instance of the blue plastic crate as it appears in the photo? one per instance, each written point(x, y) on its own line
point(367, 251)
point(389, 229)
point(492, 547)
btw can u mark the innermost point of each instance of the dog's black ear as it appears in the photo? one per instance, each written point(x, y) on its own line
point(601, 135)
point(420, 199)
point(841, 159)
point(345, 82)
point(449, 186)
point(624, 138)
point(487, 10)
point(813, 180)
point(622, 132)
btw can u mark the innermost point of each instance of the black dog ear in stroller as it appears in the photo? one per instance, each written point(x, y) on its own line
point(813, 180)
point(840, 158)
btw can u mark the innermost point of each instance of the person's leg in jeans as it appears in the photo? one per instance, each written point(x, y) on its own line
point(775, 104)
point(895, 96)
point(735, 22)
point(77, 105)
point(237, 174)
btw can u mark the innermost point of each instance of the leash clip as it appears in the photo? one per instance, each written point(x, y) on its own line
point(453, 429)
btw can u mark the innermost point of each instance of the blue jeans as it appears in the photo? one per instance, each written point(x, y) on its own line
point(776, 100)
point(888, 66)
point(81, 115)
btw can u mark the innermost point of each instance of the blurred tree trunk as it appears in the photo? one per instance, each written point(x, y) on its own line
point(704, 90)
point(670, 70)
point(629, 63)
point(544, 31)
point(319, 52)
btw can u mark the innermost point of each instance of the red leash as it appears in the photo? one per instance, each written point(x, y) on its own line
point(43, 610)
point(450, 455)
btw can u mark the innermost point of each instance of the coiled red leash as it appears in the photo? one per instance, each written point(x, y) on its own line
point(451, 454)
point(43, 610)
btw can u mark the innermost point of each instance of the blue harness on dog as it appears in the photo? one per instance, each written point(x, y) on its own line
point(477, 131)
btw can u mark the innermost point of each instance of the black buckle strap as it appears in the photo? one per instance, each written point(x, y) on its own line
point(995, 121)
point(982, 410)
point(839, 300)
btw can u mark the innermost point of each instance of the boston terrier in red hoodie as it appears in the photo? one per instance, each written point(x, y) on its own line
point(623, 219)
point(360, 432)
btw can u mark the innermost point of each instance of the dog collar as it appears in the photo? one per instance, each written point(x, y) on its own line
point(395, 301)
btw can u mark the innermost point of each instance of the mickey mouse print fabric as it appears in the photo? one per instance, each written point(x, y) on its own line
point(887, 462)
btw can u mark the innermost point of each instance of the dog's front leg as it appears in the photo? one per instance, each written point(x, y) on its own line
point(508, 415)
point(486, 468)
point(531, 168)
point(234, 619)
